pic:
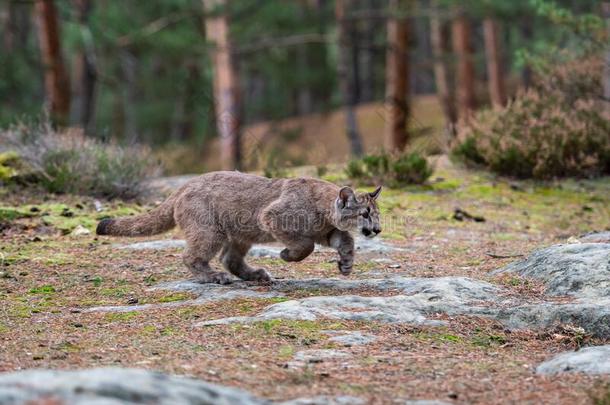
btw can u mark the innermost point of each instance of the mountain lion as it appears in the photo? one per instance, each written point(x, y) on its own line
point(229, 211)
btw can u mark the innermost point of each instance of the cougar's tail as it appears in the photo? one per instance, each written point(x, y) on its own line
point(156, 221)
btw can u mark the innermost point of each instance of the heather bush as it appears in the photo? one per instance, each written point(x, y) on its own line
point(558, 128)
point(69, 162)
point(393, 170)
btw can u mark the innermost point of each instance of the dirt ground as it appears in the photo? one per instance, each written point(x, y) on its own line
point(49, 277)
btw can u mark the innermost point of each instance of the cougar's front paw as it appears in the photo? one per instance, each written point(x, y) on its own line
point(259, 275)
point(345, 267)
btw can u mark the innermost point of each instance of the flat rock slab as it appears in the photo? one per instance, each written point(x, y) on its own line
point(326, 400)
point(314, 356)
point(418, 297)
point(580, 270)
point(205, 293)
point(111, 386)
point(348, 338)
point(363, 245)
point(590, 360)
point(411, 300)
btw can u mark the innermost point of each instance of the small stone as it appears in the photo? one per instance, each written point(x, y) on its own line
point(132, 301)
point(80, 231)
point(67, 213)
point(593, 360)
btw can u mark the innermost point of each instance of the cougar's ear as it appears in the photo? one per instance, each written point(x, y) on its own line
point(375, 193)
point(346, 194)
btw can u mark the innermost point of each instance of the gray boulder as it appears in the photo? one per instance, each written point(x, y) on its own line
point(581, 270)
point(114, 386)
point(590, 360)
point(596, 237)
point(593, 316)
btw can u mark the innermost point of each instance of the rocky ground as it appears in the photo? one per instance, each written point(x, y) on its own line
point(482, 308)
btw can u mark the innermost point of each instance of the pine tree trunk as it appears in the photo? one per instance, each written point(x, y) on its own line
point(367, 88)
point(57, 86)
point(128, 63)
point(345, 83)
point(444, 90)
point(85, 75)
point(397, 77)
point(7, 24)
point(495, 73)
point(226, 90)
point(606, 78)
point(462, 48)
point(527, 36)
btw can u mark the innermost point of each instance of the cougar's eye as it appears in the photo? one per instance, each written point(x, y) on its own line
point(365, 214)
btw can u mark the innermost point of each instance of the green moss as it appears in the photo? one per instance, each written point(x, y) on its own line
point(116, 292)
point(120, 316)
point(10, 213)
point(175, 297)
point(276, 300)
point(44, 289)
point(482, 339)
point(285, 351)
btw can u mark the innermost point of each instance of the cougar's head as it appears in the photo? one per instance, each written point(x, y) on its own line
point(358, 211)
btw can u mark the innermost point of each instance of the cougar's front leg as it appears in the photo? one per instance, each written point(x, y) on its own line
point(344, 243)
point(296, 250)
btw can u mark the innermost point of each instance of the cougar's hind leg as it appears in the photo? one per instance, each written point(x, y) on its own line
point(200, 249)
point(233, 260)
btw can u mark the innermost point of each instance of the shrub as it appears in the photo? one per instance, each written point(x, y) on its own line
point(556, 129)
point(69, 162)
point(394, 170)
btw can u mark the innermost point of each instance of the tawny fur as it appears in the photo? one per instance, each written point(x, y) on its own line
point(230, 211)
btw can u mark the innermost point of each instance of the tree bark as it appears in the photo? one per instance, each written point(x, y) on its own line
point(495, 73)
point(462, 48)
point(444, 90)
point(85, 75)
point(129, 69)
point(367, 88)
point(606, 78)
point(57, 86)
point(8, 30)
point(527, 36)
point(397, 77)
point(345, 84)
point(226, 89)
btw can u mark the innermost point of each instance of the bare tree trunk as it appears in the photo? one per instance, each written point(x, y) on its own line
point(226, 90)
point(345, 84)
point(184, 114)
point(527, 35)
point(57, 86)
point(367, 88)
point(85, 75)
point(462, 47)
point(495, 73)
point(7, 22)
point(397, 77)
point(129, 70)
point(606, 78)
point(444, 90)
